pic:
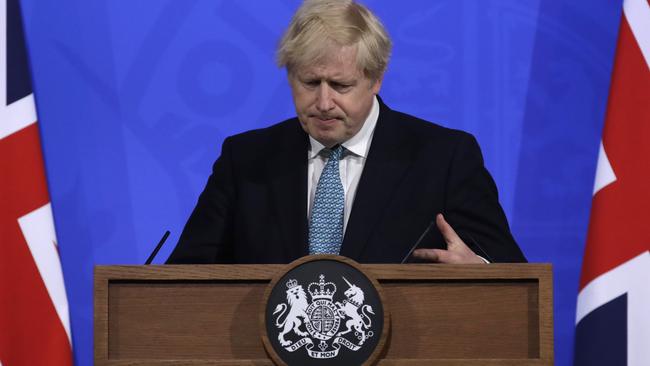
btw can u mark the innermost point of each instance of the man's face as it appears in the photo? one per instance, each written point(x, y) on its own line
point(333, 97)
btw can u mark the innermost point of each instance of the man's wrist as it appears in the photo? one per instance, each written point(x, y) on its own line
point(484, 260)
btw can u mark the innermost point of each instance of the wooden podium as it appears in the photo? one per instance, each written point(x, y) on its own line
point(497, 314)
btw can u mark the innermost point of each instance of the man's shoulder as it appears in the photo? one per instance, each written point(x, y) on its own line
point(268, 143)
point(420, 129)
point(289, 128)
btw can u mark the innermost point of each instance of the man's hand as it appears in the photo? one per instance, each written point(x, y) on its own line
point(457, 251)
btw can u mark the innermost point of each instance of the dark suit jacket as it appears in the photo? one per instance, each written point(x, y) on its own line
point(254, 206)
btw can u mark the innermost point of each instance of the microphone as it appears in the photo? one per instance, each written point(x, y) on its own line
point(417, 243)
point(463, 234)
point(155, 251)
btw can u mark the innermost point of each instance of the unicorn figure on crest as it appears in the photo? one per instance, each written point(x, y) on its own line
point(357, 312)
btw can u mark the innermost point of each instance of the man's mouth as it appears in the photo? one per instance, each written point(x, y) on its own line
point(326, 119)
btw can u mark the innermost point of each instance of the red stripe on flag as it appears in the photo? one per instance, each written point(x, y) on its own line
point(22, 186)
point(31, 332)
point(618, 227)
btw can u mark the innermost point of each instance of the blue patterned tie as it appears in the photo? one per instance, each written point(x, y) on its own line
point(326, 221)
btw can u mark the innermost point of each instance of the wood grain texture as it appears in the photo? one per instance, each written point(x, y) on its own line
point(212, 320)
point(463, 319)
point(438, 362)
point(498, 314)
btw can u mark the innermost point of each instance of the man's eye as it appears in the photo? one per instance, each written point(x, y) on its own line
point(340, 87)
point(312, 83)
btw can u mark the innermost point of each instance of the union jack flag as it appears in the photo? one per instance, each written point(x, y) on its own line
point(34, 319)
point(613, 311)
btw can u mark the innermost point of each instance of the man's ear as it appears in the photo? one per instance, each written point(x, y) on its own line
point(291, 78)
point(291, 71)
point(376, 85)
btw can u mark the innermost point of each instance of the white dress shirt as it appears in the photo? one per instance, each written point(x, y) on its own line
point(350, 166)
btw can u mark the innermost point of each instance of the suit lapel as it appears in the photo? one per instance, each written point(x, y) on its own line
point(288, 172)
point(387, 163)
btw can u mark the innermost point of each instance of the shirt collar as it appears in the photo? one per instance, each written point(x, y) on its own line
point(358, 144)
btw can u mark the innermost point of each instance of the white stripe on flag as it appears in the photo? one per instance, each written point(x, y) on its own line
point(630, 278)
point(17, 115)
point(637, 13)
point(3, 58)
point(20, 113)
point(38, 230)
point(604, 172)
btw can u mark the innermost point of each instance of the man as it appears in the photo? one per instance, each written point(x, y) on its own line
point(348, 176)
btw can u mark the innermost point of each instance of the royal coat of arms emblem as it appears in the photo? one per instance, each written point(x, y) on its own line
point(323, 326)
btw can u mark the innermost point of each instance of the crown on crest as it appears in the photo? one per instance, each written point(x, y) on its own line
point(292, 283)
point(322, 289)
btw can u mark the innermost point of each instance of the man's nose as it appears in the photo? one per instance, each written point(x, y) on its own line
point(325, 102)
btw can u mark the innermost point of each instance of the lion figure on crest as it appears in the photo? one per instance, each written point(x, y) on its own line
point(297, 300)
point(358, 319)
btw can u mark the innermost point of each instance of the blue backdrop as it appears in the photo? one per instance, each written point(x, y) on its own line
point(135, 98)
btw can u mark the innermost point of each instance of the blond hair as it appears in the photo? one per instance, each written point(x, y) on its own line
point(320, 24)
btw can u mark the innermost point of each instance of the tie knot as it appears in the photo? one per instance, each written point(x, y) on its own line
point(335, 152)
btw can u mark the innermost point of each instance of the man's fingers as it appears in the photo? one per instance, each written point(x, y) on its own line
point(448, 256)
point(431, 255)
point(448, 233)
point(457, 251)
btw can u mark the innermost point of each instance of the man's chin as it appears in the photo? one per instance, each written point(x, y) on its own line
point(327, 140)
